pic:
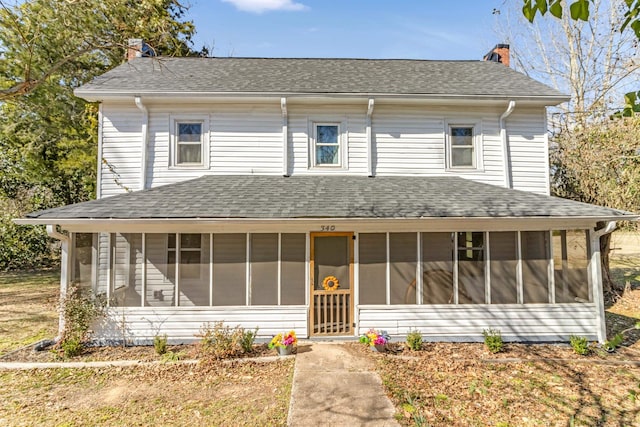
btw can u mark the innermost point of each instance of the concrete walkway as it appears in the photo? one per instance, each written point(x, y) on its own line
point(333, 387)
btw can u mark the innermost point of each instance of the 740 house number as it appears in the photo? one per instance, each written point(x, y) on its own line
point(327, 228)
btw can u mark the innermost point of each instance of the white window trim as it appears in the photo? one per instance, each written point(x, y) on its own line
point(342, 144)
point(173, 141)
point(477, 146)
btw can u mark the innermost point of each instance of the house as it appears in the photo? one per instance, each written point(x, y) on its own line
point(330, 196)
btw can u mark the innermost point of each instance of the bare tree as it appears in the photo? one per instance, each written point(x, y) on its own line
point(593, 61)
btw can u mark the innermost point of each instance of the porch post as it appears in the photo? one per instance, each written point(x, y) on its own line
point(596, 279)
point(65, 267)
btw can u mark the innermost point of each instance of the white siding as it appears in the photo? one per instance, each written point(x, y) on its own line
point(121, 149)
point(535, 322)
point(352, 120)
point(528, 150)
point(181, 324)
point(247, 139)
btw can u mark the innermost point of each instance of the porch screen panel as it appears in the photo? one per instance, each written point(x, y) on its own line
point(83, 260)
point(471, 262)
point(535, 264)
point(103, 264)
point(292, 270)
point(264, 269)
point(437, 268)
point(403, 259)
point(372, 271)
point(503, 266)
point(126, 270)
point(331, 258)
point(571, 260)
point(229, 269)
point(160, 286)
point(193, 268)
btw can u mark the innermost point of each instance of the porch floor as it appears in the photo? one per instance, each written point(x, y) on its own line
point(332, 386)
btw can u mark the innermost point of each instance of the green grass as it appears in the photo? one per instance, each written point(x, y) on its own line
point(28, 302)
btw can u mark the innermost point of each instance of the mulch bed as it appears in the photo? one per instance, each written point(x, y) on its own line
point(113, 353)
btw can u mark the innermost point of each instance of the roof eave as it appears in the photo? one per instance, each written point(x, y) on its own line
point(96, 95)
point(210, 221)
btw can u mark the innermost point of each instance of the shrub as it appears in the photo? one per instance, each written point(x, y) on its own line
point(580, 345)
point(160, 344)
point(223, 341)
point(71, 347)
point(493, 340)
point(81, 310)
point(247, 339)
point(414, 340)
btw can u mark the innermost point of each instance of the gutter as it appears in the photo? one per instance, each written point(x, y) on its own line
point(145, 139)
point(505, 144)
point(101, 95)
point(64, 271)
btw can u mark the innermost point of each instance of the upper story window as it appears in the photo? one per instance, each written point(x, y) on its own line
point(189, 143)
point(462, 147)
point(327, 148)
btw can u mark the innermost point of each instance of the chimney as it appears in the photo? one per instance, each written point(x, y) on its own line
point(500, 53)
point(134, 49)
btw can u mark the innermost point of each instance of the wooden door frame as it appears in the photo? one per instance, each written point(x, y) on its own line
point(311, 284)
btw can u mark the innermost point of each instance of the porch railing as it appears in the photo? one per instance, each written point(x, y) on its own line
point(331, 312)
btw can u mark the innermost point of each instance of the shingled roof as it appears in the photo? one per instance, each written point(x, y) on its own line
point(286, 76)
point(277, 197)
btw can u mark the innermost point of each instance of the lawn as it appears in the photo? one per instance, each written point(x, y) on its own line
point(246, 394)
point(167, 394)
point(28, 302)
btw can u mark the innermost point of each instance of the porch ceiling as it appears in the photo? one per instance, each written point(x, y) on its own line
point(264, 197)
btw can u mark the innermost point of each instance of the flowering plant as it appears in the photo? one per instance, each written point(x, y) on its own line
point(375, 337)
point(284, 340)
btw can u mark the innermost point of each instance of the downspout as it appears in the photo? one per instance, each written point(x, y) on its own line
point(99, 170)
point(64, 274)
point(596, 279)
point(145, 138)
point(505, 144)
point(285, 137)
point(370, 138)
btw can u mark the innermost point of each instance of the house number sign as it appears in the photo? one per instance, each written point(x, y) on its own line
point(327, 228)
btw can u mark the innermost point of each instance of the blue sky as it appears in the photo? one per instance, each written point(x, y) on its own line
point(424, 29)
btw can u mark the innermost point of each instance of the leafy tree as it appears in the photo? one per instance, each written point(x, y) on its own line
point(600, 163)
point(48, 137)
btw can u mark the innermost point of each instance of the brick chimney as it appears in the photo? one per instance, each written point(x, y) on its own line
point(134, 49)
point(500, 53)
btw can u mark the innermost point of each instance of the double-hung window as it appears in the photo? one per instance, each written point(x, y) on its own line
point(190, 254)
point(189, 143)
point(189, 139)
point(462, 151)
point(327, 148)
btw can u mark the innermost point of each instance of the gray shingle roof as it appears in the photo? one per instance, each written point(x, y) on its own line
point(273, 197)
point(316, 76)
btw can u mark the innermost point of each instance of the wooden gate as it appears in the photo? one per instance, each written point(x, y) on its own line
point(331, 275)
